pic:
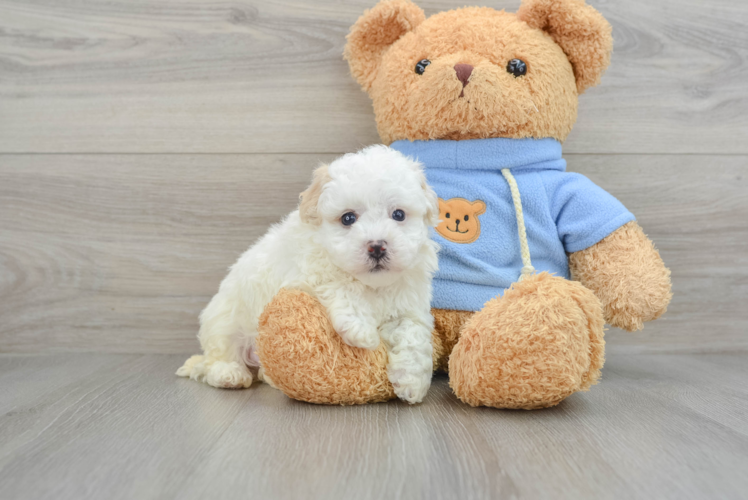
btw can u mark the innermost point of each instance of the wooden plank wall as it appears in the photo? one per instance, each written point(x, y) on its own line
point(144, 144)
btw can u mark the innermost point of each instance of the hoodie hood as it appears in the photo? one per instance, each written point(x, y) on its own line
point(486, 154)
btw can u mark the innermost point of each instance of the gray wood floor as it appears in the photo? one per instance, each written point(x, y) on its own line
point(123, 426)
point(144, 144)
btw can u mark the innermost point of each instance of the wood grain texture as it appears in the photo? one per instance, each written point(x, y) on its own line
point(123, 426)
point(268, 77)
point(104, 250)
point(119, 253)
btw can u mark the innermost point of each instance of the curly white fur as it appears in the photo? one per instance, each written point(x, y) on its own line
point(369, 300)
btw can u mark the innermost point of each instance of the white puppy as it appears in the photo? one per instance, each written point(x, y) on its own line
point(360, 244)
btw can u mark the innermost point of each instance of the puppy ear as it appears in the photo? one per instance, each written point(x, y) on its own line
point(443, 204)
point(310, 198)
point(373, 34)
point(581, 31)
point(432, 210)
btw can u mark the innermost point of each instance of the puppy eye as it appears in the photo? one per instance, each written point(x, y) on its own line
point(447, 215)
point(517, 67)
point(348, 218)
point(398, 215)
point(421, 66)
point(466, 218)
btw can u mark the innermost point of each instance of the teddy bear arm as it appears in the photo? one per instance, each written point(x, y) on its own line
point(625, 271)
point(303, 356)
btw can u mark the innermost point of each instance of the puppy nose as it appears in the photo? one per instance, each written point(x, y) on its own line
point(463, 72)
point(377, 249)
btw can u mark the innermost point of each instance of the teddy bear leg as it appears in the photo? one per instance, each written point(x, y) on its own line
point(447, 326)
point(303, 356)
point(539, 343)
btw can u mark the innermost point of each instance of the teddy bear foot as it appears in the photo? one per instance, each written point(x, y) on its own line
point(303, 356)
point(539, 343)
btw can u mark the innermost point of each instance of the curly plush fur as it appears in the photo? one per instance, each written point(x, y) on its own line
point(304, 357)
point(626, 272)
point(531, 348)
point(567, 45)
point(447, 327)
point(543, 339)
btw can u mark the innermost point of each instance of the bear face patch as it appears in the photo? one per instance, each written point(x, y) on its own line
point(459, 221)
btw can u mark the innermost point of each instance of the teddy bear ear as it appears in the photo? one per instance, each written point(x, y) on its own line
point(373, 34)
point(581, 31)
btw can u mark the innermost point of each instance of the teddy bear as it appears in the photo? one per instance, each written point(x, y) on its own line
point(534, 260)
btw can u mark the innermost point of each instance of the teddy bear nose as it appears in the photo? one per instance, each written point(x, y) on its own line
point(463, 72)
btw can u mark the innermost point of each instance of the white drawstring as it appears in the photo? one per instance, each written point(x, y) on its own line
point(527, 268)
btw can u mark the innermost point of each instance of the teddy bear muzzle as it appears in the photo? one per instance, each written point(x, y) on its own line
point(463, 74)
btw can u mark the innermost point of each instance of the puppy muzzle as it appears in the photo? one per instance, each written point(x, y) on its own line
point(377, 252)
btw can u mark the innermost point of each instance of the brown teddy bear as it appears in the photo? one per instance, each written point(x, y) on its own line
point(484, 99)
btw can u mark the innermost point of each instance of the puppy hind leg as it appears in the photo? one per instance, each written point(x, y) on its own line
point(228, 375)
point(188, 367)
point(217, 373)
point(222, 364)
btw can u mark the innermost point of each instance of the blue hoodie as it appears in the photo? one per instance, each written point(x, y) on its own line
point(564, 212)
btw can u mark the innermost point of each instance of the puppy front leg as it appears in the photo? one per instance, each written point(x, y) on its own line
point(351, 317)
point(409, 357)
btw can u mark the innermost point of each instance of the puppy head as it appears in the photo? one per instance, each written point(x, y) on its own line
point(371, 212)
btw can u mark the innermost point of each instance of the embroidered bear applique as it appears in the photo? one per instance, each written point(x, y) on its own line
point(459, 220)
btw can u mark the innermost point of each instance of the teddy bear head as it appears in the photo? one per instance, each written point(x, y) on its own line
point(477, 72)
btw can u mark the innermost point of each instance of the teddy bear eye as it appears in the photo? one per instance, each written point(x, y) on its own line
point(421, 66)
point(466, 218)
point(517, 67)
point(446, 215)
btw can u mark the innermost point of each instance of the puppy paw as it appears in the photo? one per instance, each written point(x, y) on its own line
point(409, 386)
point(356, 333)
point(228, 375)
point(188, 367)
